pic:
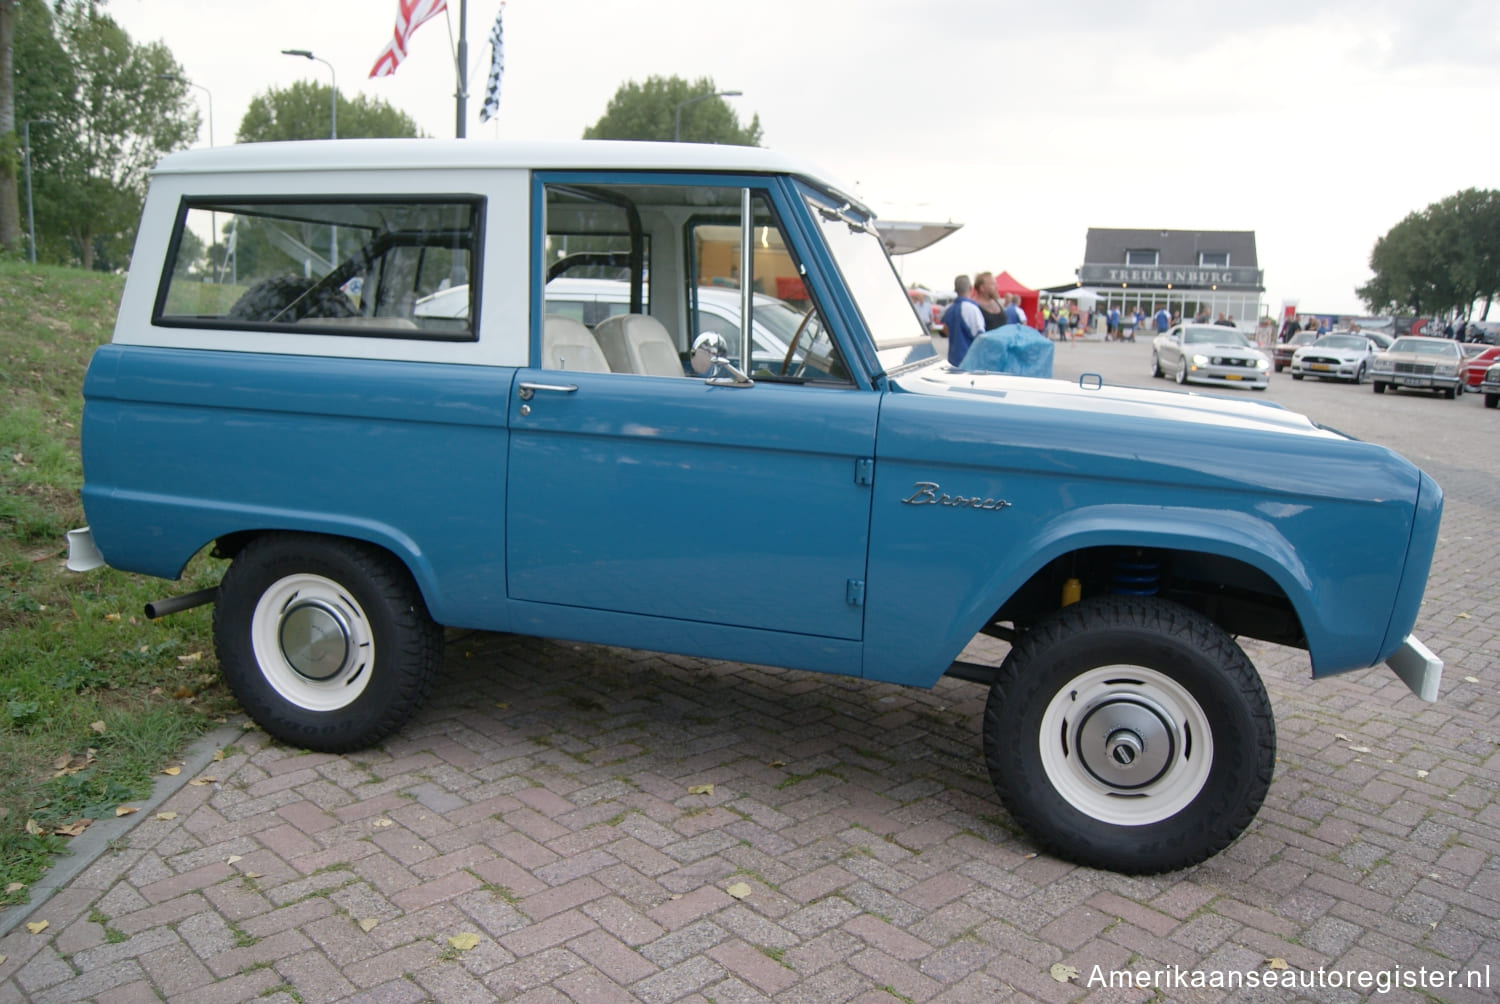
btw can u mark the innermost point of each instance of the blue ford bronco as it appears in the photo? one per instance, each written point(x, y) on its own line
point(371, 397)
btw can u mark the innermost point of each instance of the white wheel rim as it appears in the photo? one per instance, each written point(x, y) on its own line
point(313, 642)
point(1126, 745)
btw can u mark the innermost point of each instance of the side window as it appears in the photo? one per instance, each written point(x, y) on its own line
point(372, 266)
point(662, 263)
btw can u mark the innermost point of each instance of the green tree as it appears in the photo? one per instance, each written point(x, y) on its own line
point(301, 111)
point(649, 111)
point(1440, 260)
point(115, 119)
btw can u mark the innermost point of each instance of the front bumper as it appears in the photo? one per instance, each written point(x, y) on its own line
point(1418, 668)
point(1418, 382)
point(1240, 376)
point(1338, 371)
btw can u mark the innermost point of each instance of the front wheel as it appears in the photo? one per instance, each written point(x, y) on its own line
point(1379, 387)
point(1359, 375)
point(1182, 371)
point(325, 642)
point(1492, 400)
point(1131, 734)
point(1155, 365)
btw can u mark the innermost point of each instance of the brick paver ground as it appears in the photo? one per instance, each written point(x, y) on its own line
point(542, 804)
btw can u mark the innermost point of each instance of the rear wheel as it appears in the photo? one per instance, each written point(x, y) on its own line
point(1298, 376)
point(1155, 365)
point(326, 642)
point(1359, 375)
point(1131, 734)
point(1379, 387)
point(1492, 400)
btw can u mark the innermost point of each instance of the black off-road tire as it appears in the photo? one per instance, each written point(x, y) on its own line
point(285, 299)
point(1111, 665)
point(394, 650)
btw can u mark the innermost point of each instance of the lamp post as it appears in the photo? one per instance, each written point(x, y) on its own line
point(30, 216)
point(677, 112)
point(205, 90)
point(333, 104)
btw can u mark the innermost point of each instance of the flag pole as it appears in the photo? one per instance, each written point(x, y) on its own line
point(462, 67)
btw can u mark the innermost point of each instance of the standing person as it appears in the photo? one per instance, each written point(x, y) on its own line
point(963, 319)
point(1112, 324)
point(987, 296)
point(1064, 319)
point(1224, 322)
point(1013, 312)
point(1163, 320)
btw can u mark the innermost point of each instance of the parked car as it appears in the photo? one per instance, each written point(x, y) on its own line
point(1490, 386)
point(1417, 362)
point(1477, 362)
point(1281, 352)
point(1209, 353)
point(1334, 357)
point(371, 473)
point(1380, 339)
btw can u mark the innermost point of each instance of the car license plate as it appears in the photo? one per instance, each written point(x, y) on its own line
point(1321, 366)
point(1233, 376)
point(1411, 381)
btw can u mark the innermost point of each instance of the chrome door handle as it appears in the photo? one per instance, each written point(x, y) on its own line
point(528, 390)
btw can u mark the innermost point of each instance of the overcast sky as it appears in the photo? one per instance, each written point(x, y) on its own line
point(1318, 124)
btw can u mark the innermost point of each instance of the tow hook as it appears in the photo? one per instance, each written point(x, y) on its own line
point(177, 604)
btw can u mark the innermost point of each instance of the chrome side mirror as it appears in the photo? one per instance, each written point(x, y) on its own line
point(710, 352)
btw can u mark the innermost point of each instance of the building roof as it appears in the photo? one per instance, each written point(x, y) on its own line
point(1107, 245)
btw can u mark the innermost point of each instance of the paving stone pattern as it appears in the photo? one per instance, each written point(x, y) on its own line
point(542, 803)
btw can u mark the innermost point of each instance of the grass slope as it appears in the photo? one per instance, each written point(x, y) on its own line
point(94, 699)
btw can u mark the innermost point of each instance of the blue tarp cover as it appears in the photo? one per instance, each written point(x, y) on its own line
point(1013, 348)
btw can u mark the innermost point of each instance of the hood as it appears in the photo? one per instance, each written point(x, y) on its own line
point(1088, 396)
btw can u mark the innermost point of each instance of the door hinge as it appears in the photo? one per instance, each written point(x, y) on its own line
point(864, 471)
point(855, 594)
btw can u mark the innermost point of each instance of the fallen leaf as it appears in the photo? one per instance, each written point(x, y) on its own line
point(166, 817)
point(1462, 616)
point(1422, 773)
point(1277, 963)
point(382, 823)
point(233, 858)
point(38, 927)
point(368, 924)
point(502, 705)
point(18, 886)
point(172, 771)
point(739, 890)
point(125, 810)
point(2, 959)
point(1062, 973)
point(776, 763)
point(111, 617)
point(1029, 855)
point(464, 942)
point(62, 761)
point(218, 755)
point(190, 658)
point(1360, 749)
point(73, 829)
point(199, 782)
point(32, 828)
point(97, 727)
point(255, 875)
point(1340, 737)
point(1471, 679)
point(701, 789)
point(182, 692)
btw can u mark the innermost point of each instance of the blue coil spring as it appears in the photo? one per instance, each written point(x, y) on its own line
point(1136, 578)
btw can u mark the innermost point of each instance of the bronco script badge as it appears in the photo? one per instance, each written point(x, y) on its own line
point(927, 494)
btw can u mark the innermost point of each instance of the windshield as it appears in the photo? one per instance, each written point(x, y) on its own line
point(872, 281)
point(1214, 336)
point(1342, 342)
point(1425, 346)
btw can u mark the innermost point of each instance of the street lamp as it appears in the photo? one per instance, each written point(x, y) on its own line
point(205, 90)
point(677, 112)
point(30, 216)
point(333, 104)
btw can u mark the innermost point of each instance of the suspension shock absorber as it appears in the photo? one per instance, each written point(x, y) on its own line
point(1140, 575)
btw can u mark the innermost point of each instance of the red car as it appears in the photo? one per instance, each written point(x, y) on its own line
point(1281, 354)
point(1474, 366)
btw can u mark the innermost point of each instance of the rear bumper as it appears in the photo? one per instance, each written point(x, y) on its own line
point(1418, 668)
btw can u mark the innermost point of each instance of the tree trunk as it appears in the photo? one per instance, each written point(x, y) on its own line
point(10, 203)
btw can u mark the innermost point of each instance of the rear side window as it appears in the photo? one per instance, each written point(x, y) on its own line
point(366, 266)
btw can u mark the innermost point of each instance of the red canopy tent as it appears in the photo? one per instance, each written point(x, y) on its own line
point(1006, 284)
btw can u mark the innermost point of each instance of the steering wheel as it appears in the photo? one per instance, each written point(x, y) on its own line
point(791, 349)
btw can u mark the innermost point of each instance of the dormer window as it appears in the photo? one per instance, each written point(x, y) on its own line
point(1142, 258)
point(1213, 259)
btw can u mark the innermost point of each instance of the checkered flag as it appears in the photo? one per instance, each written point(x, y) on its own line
point(491, 105)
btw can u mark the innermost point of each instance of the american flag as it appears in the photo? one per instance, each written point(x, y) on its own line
point(491, 105)
point(410, 15)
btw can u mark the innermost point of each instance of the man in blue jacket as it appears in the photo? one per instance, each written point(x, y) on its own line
point(964, 321)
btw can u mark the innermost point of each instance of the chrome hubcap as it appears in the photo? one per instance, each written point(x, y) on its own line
point(315, 639)
point(1125, 744)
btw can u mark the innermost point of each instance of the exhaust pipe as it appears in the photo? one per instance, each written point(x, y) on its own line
point(177, 604)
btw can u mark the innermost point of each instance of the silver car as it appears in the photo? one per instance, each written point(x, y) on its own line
point(1417, 363)
point(1210, 353)
point(1335, 356)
